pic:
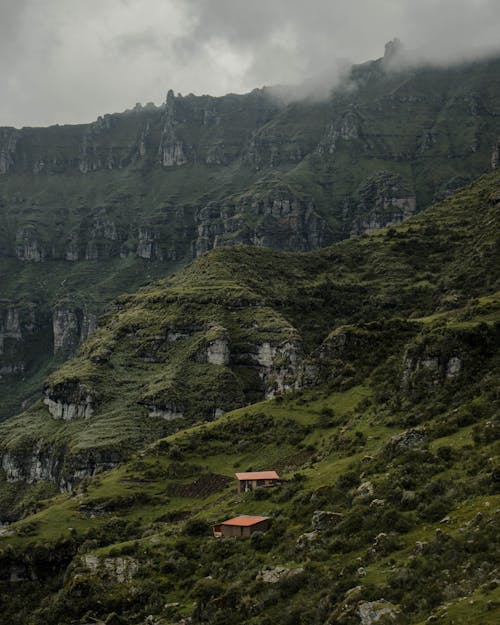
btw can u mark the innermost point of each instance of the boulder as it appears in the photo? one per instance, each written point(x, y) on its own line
point(324, 519)
point(353, 595)
point(366, 488)
point(420, 546)
point(276, 574)
point(382, 612)
point(306, 539)
point(406, 440)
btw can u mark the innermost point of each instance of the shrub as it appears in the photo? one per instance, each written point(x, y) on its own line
point(196, 527)
point(175, 453)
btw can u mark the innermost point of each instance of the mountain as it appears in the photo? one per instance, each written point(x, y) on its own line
point(366, 373)
point(240, 325)
point(88, 212)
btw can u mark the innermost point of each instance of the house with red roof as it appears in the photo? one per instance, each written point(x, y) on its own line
point(253, 479)
point(241, 526)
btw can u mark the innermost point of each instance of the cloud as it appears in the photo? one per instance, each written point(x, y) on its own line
point(67, 62)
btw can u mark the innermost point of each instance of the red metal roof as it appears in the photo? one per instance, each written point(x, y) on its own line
point(258, 475)
point(245, 520)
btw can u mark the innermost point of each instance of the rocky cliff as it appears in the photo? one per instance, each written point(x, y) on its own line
point(146, 181)
point(241, 324)
point(92, 210)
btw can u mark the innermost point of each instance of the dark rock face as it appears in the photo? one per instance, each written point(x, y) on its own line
point(24, 329)
point(384, 200)
point(56, 464)
point(163, 185)
point(279, 220)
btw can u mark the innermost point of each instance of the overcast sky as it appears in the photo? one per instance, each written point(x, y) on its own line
point(68, 61)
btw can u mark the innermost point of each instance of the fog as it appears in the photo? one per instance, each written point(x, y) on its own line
point(68, 62)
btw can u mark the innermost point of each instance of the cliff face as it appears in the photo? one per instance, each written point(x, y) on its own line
point(24, 331)
point(279, 220)
point(241, 324)
point(153, 181)
point(383, 200)
point(31, 336)
point(185, 371)
point(93, 210)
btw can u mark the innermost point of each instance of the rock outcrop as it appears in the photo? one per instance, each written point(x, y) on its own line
point(33, 465)
point(383, 200)
point(8, 143)
point(400, 443)
point(117, 569)
point(280, 367)
point(70, 327)
point(24, 332)
point(347, 128)
point(10, 326)
point(277, 573)
point(169, 412)
point(279, 220)
point(324, 519)
point(69, 400)
point(218, 352)
point(41, 461)
point(430, 369)
point(29, 246)
point(382, 612)
point(30, 334)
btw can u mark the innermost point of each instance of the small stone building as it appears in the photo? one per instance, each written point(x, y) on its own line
point(241, 526)
point(253, 479)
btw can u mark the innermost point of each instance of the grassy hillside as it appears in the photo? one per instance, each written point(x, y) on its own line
point(408, 461)
point(268, 312)
point(386, 435)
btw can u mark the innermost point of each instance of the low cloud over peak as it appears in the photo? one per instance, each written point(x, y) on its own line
point(68, 62)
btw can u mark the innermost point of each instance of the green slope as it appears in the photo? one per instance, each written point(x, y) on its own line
point(408, 459)
point(269, 312)
point(389, 344)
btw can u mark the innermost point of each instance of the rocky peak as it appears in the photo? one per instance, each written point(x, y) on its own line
point(392, 48)
point(169, 100)
point(393, 54)
point(171, 150)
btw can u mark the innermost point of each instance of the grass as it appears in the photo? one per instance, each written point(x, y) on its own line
point(364, 351)
point(256, 297)
point(145, 474)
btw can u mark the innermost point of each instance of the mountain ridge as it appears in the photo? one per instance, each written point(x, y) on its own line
point(242, 324)
point(113, 204)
